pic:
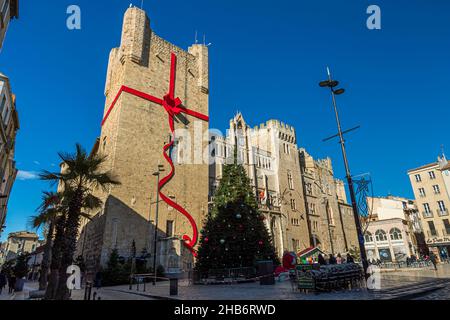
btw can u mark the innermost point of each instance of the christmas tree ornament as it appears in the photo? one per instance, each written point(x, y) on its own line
point(222, 241)
point(238, 216)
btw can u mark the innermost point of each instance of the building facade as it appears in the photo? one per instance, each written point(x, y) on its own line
point(331, 219)
point(18, 243)
point(394, 229)
point(9, 11)
point(9, 124)
point(431, 186)
point(269, 154)
point(145, 77)
point(280, 174)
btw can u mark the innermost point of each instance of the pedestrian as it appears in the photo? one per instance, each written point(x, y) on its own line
point(433, 259)
point(321, 260)
point(98, 280)
point(339, 259)
point(12, 283)
point(332, 259)
point(350, 258)
point(2, 281)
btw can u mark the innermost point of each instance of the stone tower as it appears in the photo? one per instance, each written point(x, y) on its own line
point(154, 90)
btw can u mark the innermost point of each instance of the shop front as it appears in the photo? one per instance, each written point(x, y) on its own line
point(440, 246)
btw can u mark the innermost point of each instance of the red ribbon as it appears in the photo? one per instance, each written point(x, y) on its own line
point(173, 106)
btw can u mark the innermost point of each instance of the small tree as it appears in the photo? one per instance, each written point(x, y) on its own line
point(234, 234)
point(21, 268)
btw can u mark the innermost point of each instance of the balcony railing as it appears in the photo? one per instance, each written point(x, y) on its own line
point(446, 231)
point(264, 207)
point(442, 212)
point(427, 214)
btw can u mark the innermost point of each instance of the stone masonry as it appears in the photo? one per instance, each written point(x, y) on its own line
point(132, 138)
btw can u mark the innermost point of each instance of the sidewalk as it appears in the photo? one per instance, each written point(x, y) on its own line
point(279, 291)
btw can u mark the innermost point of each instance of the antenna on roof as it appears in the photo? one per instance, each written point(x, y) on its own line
point(196, 39)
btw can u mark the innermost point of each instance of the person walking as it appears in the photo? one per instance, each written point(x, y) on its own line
point(332, 259)
point(3, 281)
point(350, 258)
point(12, 283)
point(321, 260)
point(433, 260)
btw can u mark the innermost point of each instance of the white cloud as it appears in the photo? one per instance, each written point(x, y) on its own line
point(27, 175)
point(37, 162)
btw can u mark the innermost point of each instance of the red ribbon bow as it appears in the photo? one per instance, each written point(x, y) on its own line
point(173, 106)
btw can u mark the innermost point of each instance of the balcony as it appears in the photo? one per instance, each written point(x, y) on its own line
point(273, 208)
point(446, 231)
point(428, 214)
point(442, 212)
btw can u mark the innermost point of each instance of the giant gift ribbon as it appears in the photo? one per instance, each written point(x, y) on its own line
point(173, 106)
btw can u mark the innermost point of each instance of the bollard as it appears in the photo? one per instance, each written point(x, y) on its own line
point(174, 287)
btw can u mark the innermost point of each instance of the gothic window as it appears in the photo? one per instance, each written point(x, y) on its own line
point(368, 237)
point(380, 235)
point(290, 180)
point(395, 234)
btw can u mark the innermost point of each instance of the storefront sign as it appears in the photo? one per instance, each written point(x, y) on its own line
point(439, 240)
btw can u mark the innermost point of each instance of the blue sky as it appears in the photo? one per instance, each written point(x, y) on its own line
point(266, 59)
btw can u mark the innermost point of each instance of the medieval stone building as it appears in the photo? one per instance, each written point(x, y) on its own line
point(153, 88)
point(304, 205)
point(331, 220)
point(154, 132)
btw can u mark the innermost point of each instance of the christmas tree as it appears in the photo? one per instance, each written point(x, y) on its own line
point(234, 234)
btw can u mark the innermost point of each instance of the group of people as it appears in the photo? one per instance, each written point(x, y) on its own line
point(9, 280)
point(331, 259)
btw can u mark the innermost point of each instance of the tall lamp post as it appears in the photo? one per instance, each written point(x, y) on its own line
point(334, 92)
point(156, 174)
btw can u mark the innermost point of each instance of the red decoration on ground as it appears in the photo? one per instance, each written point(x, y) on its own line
point(173, 106)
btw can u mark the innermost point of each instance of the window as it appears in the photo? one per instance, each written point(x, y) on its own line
point(422, 192)
point(169, 228)
point(442, 209)
point(380, 235)
point(309, 190)
point(395, 234)
point(290, 180)
point(368, 237)
point(447, 226)
point(436, 189)
point(433, 231)
point(432, 175)
point(418, 178)
point(427, 213)
point(293, 204)
point(312, 208)
point(2, 105)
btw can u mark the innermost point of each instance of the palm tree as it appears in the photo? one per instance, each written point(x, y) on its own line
point(48, 212)
point(80, 176)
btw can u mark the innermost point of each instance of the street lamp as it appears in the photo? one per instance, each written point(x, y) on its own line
point(156, 174)
point(332, 84)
